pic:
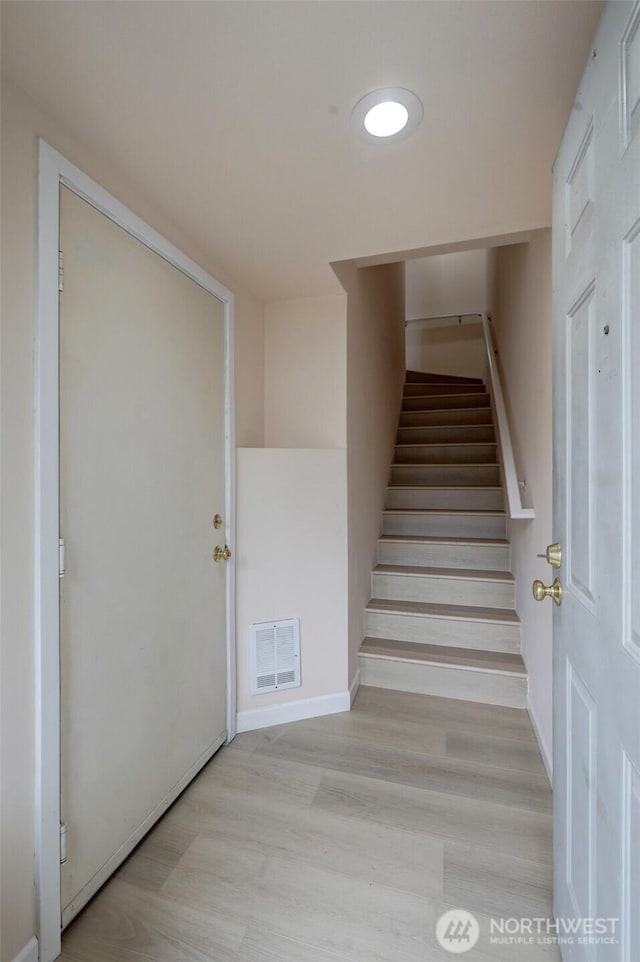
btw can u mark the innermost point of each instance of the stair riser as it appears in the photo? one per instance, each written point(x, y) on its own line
point(467, 684)
point(473, 499)
point(411, 390)
point(475, 556)
point(418, 377)
point(454, 632)
point(450, 434)
point(446, 454)
point(440, 417)
point(446, 401)
point(446, 474)
point(444, 525)
point(443, 591)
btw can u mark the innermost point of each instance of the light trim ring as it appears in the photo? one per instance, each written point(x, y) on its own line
point(363, 123)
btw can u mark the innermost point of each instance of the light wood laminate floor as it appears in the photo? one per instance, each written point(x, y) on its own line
point(340, 839)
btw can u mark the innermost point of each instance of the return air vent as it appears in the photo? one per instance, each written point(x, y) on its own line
point(275, 655)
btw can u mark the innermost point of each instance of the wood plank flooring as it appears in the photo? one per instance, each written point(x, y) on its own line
point(340, 839)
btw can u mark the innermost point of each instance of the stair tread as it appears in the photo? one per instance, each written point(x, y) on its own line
point(470, 574)
point(453, 387)
point(459, 612)
point(440, 539)
point(446, 444)
point(454, 377)
point(431, 424)
point(445, 487)
point(464, 658)
point(456, 409)
point(446, 427)
point(445, 383)
point(415, 398)
point(443, 464)
point(451, 393)
point(458, 512)
point(449, 378)
point(444, 424)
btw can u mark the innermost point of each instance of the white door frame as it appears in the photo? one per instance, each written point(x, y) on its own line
point(54, 170)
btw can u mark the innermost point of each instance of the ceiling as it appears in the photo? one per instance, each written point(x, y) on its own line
point(234, 116)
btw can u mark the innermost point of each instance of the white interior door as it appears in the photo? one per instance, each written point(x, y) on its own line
point(597, 498)
point(142, 603)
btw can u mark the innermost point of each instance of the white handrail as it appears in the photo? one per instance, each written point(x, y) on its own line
point(516, 509)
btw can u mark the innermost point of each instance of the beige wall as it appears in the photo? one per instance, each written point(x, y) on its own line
point(375, 375)
point(522, 325)
point(21, 124)
point(305, 372)
point(334, 368)
point(292, 499)
point(291, 562)
point(248, 367)
point(446, 347)
point(447, 284)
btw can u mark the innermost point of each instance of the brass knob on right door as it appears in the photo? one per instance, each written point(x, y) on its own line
point(542, 591)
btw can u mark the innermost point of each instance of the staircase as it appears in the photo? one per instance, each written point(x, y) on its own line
point(442, 620)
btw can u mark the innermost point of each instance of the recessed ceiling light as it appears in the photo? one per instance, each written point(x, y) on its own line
point(386, 119)
point(386, 116)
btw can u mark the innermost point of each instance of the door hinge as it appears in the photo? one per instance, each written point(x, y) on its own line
point(61, 562)
point(60, 272)
point(63, 842)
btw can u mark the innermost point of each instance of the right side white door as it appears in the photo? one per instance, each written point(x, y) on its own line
point(596, 216)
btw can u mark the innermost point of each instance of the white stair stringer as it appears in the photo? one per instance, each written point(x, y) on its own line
point(442, 620)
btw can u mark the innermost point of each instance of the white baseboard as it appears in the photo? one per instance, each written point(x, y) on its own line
point(29, 953)
point(288, 711)
point(547, 757)
point(353, 687)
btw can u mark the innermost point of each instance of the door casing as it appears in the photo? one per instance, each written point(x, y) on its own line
point(54, 170)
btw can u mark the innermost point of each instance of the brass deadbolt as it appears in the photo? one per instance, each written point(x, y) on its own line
point(554, 554)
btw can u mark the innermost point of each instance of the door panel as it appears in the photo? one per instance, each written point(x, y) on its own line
point(631, 856)
point(580, 444)
point(142, 604)
point(631, 349)
point(580, 795)
point(596, 216)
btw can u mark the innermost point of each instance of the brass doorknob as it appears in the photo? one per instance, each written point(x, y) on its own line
point(221, 554)
point(542, 591)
